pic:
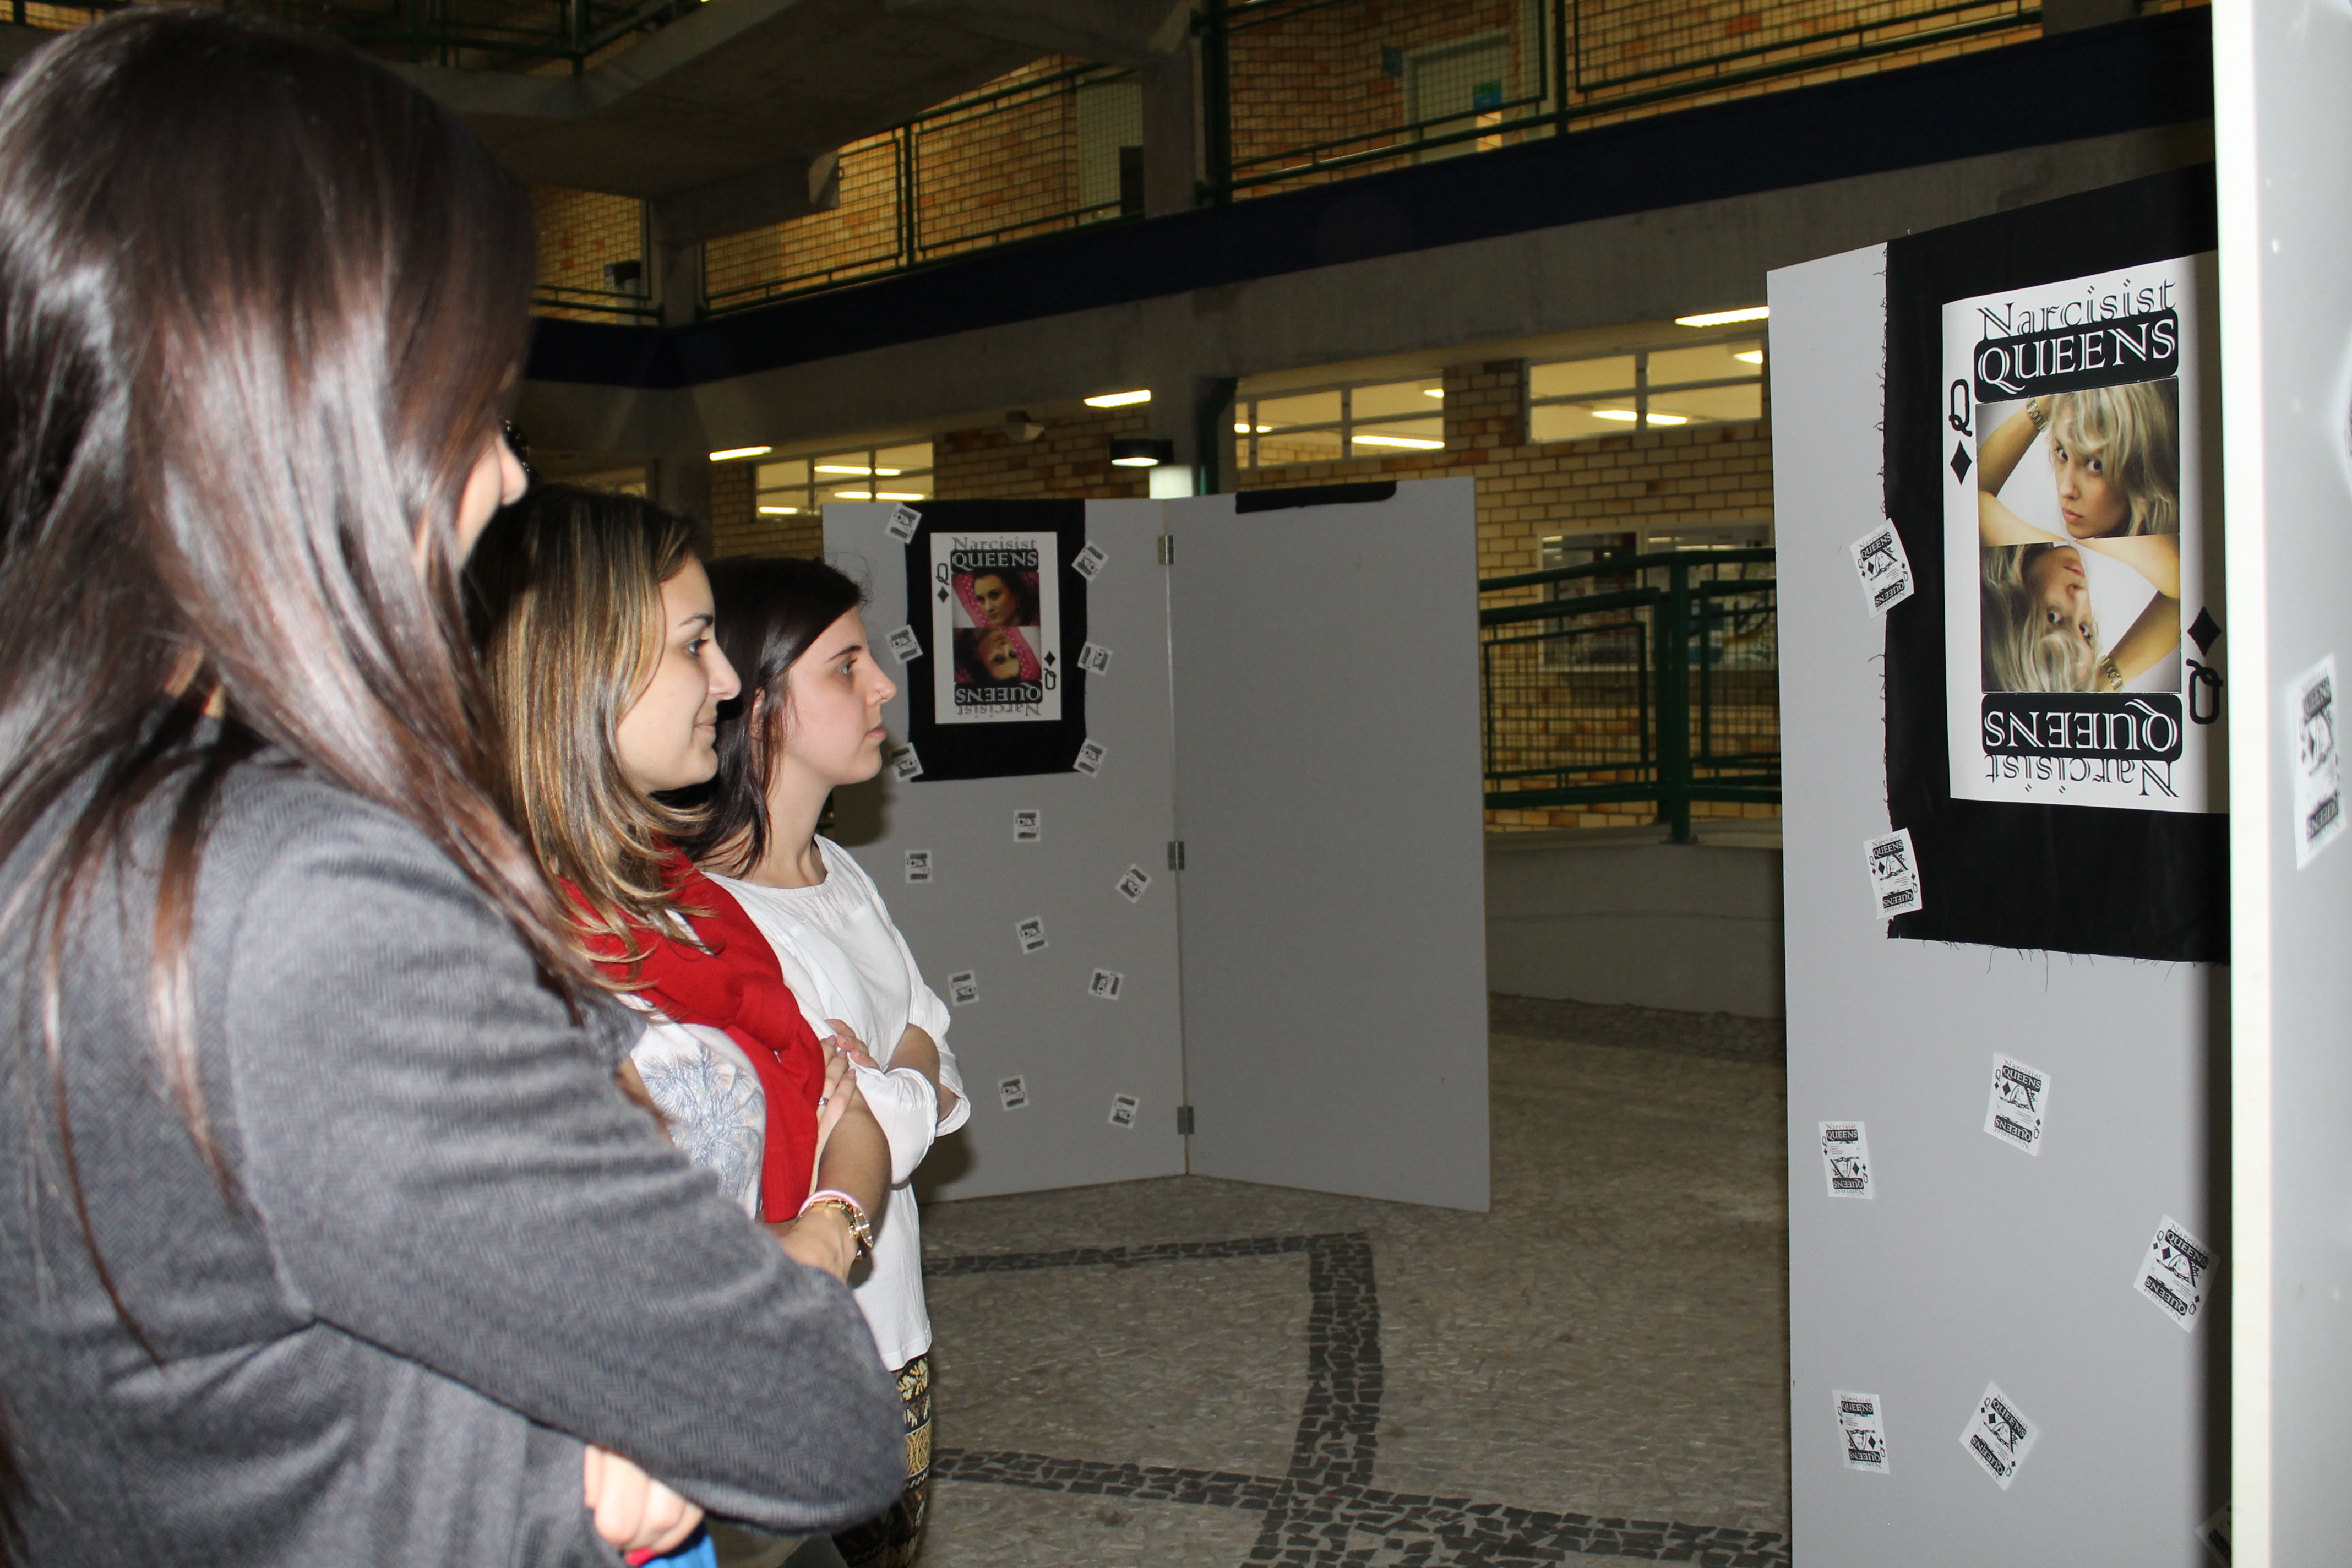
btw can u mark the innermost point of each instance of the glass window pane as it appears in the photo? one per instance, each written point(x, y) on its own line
point(1400, 436)
point(1298, 446)
point(1405, 397)
point(906, 460)
point(772, 475)
point(1712, 406)
point(1313, 409)
point(1572, 422)
point(1612, 374)
point(1715, 361)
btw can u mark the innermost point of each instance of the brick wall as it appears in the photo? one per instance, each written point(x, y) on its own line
point(738, 529)
point(1071, 461)
point(580, 233)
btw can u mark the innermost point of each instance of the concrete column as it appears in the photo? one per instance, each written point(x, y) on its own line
point(681, 482)
point(1171, 132)
point(678, 274)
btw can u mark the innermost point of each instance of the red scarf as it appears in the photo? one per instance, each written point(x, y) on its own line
point(732, 982)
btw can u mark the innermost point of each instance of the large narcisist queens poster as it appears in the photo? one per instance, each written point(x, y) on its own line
point(2057, 691)
point(2074, 541)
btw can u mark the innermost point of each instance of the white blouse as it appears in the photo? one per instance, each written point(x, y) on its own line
point(843, 959)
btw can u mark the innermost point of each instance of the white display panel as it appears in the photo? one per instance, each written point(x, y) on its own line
point(1036, 1019)
point(1988, 1284)
point(1328, 793)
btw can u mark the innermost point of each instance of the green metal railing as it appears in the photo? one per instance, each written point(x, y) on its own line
point(1645, 679)
point(1561, 65)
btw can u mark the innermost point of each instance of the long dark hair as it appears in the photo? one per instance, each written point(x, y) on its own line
point(262, 309)
point(769, 609)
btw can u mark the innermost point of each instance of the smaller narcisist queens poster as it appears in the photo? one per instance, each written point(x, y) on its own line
point(996, 629)
point(2079, 665)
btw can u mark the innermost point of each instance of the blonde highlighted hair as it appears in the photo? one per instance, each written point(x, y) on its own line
point(2133, 431)
point(566, 598)
point(2022, 652)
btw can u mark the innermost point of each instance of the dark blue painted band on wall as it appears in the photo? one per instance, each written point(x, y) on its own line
point(2101, 81)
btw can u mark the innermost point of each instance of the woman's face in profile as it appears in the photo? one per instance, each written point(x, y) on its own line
point(2092, 504)
point(2062, 594)
point(999, 656)
point(999, 604)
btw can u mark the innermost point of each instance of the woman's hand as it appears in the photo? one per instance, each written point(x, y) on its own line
point(821, 1239)
point(845, 1040)
point(833, 1100)
point(634, 1513)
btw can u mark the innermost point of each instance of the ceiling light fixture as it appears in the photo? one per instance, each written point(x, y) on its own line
point(900, 495)
point(1413, 441)
point(732, 453)
point(1117, 399)
point(780, 511)
point(1725, 318)
point(1141, 452)
point(1433, 392)
point(1752, 356)
point(852, 495)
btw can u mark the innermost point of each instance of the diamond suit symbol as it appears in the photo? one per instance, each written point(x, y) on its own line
point(1960, 463)
point(2205, 630)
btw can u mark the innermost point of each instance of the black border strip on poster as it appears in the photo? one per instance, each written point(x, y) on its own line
point(2133, 884)
point(1013, 749)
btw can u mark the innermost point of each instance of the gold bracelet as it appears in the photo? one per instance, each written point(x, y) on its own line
point(2039, 414)
point(860, 1230)
point(2114, 677)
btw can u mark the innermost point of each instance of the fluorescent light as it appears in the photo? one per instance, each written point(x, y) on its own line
point(1117, 399)
point(1627, 415)
point(900, 495)
point(837, 468)
point(1433, 392)
point(1244, 429)
point(851, 495)
point(1658, 418)
point(780, 511)
point(1135, 462)
point(1724, 318)
point(1753, 356)
point(732, 453)
point(1413, 441)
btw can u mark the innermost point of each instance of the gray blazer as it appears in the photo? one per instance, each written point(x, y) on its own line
point(451, 1251)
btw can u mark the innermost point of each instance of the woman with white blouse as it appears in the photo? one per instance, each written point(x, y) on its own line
point(810, 721)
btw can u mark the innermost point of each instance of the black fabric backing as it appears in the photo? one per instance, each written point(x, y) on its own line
point(1006, 750)
point(2136, 884)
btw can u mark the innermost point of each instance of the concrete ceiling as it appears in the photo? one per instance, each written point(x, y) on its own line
point(729, 118)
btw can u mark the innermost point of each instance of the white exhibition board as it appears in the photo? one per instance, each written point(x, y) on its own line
point(2284, 144)
point(1330, 798)
point(1326, 1023)
point(1973, 1263)
point(1035, 1018)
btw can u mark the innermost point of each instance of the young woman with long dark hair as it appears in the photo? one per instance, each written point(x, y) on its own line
point(810, 721)
point(331, 1239)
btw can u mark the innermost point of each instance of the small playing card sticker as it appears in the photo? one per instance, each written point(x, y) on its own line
point(1894, 874)
point(1883, 568)
point(2020, 1097)
point(1089, 561)
point(2213, 1535)
point(1031, 933)
point(904, 521)
point(905, 645)
point(1028, 827)
point(906, 766)
point(1012, 1093)
point(1090, 758)
point(1122, 1110)
point(918, 865)
point(1131, 885)
point(1095, 659)
point(2176, 1274)
point(1845, 1160)
point(1105, 985)
point(2317, 765)
point(1861, 1426)
point(1996, 1437)
point(963, 988)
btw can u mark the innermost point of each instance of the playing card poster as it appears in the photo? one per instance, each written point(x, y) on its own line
point(998, 606)
point(2057, 684)
point(2081, 665)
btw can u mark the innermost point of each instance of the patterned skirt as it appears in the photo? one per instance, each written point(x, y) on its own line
point(888, 1541)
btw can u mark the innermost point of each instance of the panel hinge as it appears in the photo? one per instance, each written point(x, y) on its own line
point(1175, 855)
point(1168, 550)
point(1184, 1122)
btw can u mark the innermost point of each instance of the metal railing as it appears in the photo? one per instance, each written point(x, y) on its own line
point(1646, 679)
point(480, 35)
point(935, 187)
point(1555, 67)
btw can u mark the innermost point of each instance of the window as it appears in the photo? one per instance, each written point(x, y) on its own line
point(878, 473)
point(1707, 382)
point(1371, 419)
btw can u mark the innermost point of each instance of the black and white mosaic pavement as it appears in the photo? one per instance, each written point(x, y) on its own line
point(1324, 1512)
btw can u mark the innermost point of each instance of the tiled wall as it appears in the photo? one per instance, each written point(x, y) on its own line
point(580, 233)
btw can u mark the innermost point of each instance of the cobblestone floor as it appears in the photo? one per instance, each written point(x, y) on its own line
point(1200, 1372)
